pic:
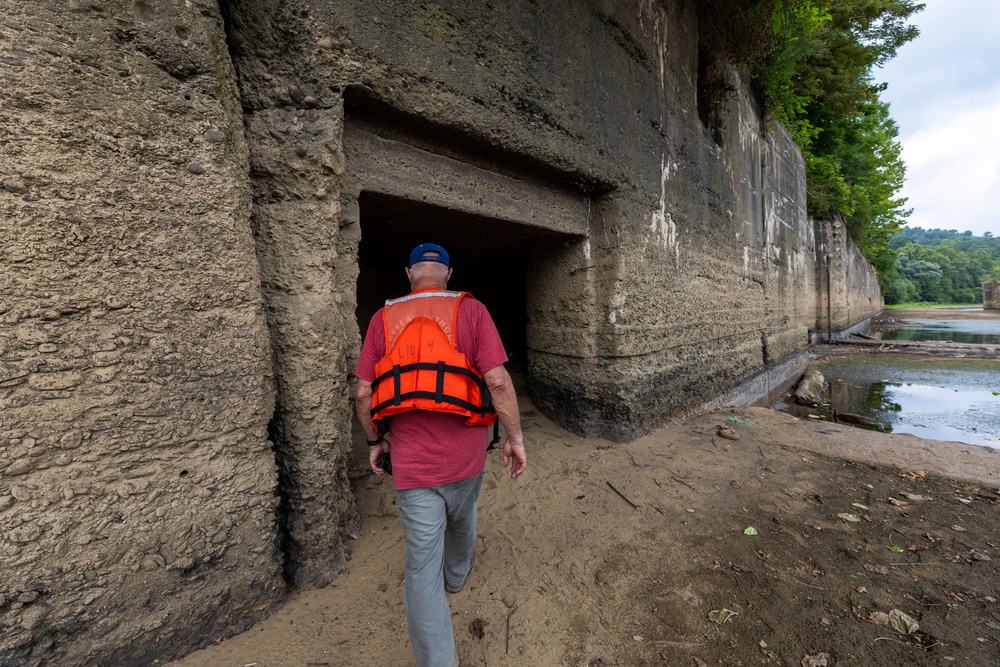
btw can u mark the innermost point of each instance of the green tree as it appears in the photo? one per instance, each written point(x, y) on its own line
point(941, 265)
point(814, 72)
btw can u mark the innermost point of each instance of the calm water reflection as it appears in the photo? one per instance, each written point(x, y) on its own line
point(979, 332)
point(938, 399)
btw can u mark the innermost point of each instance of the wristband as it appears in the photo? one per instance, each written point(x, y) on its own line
point(375, 443)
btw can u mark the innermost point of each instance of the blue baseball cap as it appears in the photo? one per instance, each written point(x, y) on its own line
point(421, 254)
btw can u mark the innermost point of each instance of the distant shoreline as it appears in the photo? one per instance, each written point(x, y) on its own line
point(940, 313)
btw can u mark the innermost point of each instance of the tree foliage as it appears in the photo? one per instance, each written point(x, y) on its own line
point(812, 61)
point(942, 266)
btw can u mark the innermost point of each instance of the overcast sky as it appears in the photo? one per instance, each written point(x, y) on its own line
point(944, 88)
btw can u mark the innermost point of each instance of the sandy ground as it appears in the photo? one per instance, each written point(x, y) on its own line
point(638, 554)
point(870, 549)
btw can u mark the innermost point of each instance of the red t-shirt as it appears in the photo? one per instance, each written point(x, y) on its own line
point(434, 448)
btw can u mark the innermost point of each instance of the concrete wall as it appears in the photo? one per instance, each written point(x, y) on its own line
point(991, 295)
point(138, 488)
point(190, 265)
point(848, 293)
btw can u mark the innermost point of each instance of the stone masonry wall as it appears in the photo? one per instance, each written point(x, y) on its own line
point(137, 496)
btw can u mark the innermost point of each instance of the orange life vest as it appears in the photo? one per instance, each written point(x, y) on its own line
point(422, 369)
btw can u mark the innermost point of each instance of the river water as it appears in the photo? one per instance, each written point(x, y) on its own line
point(931, 397)
point(979, 332)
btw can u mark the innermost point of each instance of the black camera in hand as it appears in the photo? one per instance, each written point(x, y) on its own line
point(385, 463)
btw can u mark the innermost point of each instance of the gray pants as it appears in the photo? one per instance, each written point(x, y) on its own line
point(440, 527)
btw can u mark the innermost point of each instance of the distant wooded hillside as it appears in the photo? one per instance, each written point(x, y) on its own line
point(941, 266)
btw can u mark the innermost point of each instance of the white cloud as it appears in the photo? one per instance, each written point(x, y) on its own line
point(944, 89)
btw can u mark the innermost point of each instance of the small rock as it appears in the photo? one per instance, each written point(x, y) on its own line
point(15, 186)
point(215, 136)
point(196, 168)
point(818, 660)
point(728, 433)
point(33, 616)
point(301, 150)
point(958, 529)
point(811, 389)
point(28, 597)
point(326, 43)
point(18, 467)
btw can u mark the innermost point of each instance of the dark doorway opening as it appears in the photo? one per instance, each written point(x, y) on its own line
point(491, 259)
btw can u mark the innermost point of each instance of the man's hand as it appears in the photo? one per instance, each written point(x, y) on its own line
point(505, 402)
point(375, 456)
point(514, 452)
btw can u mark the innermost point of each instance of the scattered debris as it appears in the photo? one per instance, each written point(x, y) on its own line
point(728, 433)
point(818, 660)
point(877, 569)
point(811, 389)
point(878, 618)
point(750, 530)
point(622, 495)
point(478, 627)
point(859, 506)
point(902, 622)
point(847, 516)
point(850, 418)
point(720, 616)
point(915, 496)
point(958, 529)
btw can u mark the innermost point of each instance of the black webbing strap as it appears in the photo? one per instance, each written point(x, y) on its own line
point(426, 366)
point(396, 386)
point(439, 389)
point(471, 407)
point(496, 436)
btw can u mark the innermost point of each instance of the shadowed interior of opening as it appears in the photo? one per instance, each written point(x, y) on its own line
point(490, 258)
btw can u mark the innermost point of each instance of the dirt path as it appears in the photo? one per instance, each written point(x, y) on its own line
point(605, 554)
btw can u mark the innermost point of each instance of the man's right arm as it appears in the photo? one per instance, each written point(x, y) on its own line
point(505, 401)
point(363, 405)
point(370, 354)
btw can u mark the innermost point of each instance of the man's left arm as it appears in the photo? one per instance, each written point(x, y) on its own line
point(505, 401)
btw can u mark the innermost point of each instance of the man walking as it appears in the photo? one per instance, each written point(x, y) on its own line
point(431, 368)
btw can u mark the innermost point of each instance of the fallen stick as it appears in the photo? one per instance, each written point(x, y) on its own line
point(622, 495)
point(506, 643)
point(666, 642)
point(681, 481)
point(819, 588)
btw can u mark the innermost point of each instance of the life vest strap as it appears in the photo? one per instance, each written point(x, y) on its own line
point(471, 407)
point(438, 366)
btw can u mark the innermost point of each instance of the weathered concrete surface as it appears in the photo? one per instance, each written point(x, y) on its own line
point(848, 294)
point(186, 267)
point(137, 496)
point(991, 295)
